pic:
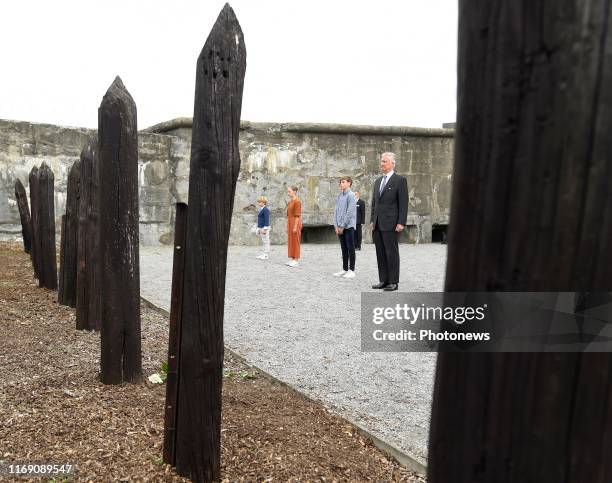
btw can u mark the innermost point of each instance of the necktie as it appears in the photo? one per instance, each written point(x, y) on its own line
point(383, 184)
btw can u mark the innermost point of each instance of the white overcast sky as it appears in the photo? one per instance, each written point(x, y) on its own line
point(384, 62)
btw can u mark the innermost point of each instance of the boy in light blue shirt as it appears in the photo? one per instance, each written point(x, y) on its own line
point(345, 220)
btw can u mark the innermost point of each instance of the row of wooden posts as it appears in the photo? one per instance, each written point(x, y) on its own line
point(99, 249)
point(99, 236)
point(78, 236)
point(38, 224)
point(531, 211)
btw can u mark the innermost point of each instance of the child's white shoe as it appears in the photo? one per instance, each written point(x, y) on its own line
point(339, 274)
point(292, 263)
point(349, 274)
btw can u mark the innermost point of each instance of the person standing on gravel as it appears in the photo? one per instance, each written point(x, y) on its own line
point(294, 226)
point(361, 213)
point(387, 220)
point(345, 218)
point(263, 227)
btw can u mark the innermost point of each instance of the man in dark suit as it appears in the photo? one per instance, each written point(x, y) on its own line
point(360, 220)
point(388, 219)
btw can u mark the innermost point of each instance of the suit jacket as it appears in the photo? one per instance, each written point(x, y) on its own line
point(360, 211)
point(390, 207)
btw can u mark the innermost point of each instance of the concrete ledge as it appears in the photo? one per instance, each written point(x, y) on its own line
point(323, 128)
point(170, 125)
point(15, 124)
point(408, 461)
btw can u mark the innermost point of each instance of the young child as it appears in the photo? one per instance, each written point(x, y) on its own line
point(345, 217)
point(263, 227)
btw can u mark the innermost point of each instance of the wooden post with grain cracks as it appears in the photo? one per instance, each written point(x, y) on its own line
point(531, 211)
point(174, 340)
point(88, 238)
point(120, 274)
point(24, 215)
point(214, 168)
point(69, 253)
point(46, 228)
point(34, 195)
point(62, 262)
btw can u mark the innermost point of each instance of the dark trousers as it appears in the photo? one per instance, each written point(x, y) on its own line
point(358, 236)
point(387, 255)
point(347, 243)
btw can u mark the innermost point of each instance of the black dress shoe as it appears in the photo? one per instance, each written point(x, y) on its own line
point(379, 285)
point(392, 287)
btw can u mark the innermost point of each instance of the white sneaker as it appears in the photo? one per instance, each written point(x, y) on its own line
point(292, 263)
point(349, 274)
point(263, 256)
point(339, 274)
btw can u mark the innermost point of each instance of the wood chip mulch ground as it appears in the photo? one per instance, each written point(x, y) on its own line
point(54, 409)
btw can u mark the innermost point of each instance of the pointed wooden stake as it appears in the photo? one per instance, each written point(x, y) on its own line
point(46, 223)
point(24, 215)
point(68, 260)
point(88, 272)
point(215, 163)
point(120, 274)
point(36, 247)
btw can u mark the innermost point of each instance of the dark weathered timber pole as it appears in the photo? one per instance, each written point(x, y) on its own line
point(120, 273)
point(34, 195)
point(215, 163)
point(46, 223)
point(24, 215)
point(62, 262)
point(88, 273)
point(174, 341)
point(68, 262)
point(531, 211)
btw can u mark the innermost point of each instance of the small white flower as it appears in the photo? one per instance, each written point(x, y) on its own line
point(155, 379)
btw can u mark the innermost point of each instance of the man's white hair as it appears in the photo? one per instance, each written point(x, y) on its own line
point(389, 155)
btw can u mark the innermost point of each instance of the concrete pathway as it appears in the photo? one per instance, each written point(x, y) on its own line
point(302, 325)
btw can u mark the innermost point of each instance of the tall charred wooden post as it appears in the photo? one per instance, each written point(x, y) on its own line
point(215, 163)
point(174, 341)
point(68, 260)
point(46, 223)
point(62, 262)
point(34, 195)
point(531, 211)
point(24, 215)
point(120, 270)
point(88, 267)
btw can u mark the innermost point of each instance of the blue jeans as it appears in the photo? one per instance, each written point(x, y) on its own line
point(347, 243)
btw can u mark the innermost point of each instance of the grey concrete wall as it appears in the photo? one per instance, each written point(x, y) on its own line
point(313, 157)
point(23, 145)
point(274, 156)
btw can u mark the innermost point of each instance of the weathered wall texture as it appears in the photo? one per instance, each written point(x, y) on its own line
point(274, 156)
point(313, 157)
point(23, 145)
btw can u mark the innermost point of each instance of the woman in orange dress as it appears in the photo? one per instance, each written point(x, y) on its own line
point(294, 226)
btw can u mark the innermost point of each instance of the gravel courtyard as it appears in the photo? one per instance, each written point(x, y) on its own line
point(302, 325)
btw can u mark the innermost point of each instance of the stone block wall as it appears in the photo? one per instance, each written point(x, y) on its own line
point(274, 156)
point(23, 145)
point(313, 157)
